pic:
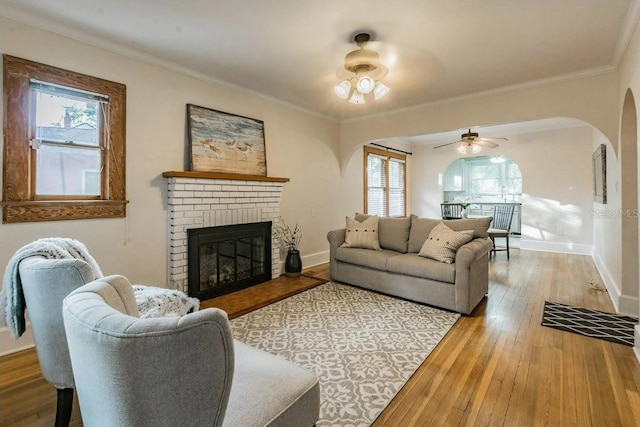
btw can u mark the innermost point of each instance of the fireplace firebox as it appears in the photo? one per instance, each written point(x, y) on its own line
point(228, 258)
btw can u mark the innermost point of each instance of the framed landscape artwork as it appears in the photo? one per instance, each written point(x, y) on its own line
point(600, 175)
point(224, 142)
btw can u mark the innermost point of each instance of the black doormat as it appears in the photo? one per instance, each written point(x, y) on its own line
point(591, 323)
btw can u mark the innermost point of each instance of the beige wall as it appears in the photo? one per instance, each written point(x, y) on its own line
point(629, 78)
point(300, 146)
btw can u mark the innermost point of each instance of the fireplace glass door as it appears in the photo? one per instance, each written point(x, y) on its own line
point(228, 258)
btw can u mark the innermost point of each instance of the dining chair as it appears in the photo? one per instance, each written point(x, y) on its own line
point(451, 210)
point(501, 227)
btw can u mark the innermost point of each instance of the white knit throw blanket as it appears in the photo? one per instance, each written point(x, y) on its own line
point(151, 301)
point(12, 298)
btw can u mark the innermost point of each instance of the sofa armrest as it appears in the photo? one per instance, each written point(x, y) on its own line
point(335, 238)
point(472, 274)
point(471, 251)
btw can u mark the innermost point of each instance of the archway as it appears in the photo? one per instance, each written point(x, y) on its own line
point(629, 199)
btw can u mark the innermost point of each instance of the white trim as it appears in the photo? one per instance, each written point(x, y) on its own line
point(592, 72)
point(636, 348)
point(318, 258)
point(630, 23)
point(623, 304)
point(8, 345)
point(560, 247)
point(88, 38)
point(628, 305)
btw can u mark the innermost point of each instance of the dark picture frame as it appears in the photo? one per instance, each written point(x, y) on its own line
point(599, 166)
point(224, 142)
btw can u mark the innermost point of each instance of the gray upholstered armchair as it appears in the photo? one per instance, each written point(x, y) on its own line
point(45, 284)
point(185, 371)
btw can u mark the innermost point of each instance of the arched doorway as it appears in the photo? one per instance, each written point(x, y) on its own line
point(482, 182)
point(492, 178)
point(629, 199)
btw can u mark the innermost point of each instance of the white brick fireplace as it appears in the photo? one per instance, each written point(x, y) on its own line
point(199, 199)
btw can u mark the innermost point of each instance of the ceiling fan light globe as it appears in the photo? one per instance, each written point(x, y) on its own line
point(475, 148)
point(357, 98)
point(365, 84)
point(342, 90)
point(462, 149)
point(380, 90)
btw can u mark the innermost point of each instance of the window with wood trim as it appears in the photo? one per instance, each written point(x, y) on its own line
point(384, 183)
point(64, 144)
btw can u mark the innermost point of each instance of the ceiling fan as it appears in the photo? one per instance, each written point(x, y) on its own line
point(470, 142)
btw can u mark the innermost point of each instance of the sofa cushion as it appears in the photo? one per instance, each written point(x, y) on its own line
point(421, 227)
point(362, 234)
point(443, 243)
point(417, 266)
point(365, 257)
point(393, 233)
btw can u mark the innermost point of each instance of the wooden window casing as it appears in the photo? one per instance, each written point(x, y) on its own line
point(387, 155)
point(19, 201)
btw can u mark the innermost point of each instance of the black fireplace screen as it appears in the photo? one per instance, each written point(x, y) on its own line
point(228, 258)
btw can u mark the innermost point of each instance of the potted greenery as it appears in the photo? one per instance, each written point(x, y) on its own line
point(464, 212)
point(290, 238)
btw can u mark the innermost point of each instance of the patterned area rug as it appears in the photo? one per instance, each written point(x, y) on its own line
point(592, 323)
point(362, 345)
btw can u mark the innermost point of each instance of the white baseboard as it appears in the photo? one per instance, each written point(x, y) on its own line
point(8, 345)
point(318, 258)
point(623, 304)
point(560, 247)
point(636, 348)
point(629, 306)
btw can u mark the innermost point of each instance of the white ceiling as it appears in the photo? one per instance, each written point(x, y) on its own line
point(293, 51)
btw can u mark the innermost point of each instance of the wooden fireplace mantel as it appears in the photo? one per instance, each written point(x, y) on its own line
point(220, 175)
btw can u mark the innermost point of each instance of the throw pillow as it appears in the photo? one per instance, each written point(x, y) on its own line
point(443, 243)
point(393, 233)
point(362, 234)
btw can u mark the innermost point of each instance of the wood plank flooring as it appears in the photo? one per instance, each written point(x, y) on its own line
point(496, 367)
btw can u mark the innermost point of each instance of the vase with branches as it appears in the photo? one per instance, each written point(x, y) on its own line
point(290, 238)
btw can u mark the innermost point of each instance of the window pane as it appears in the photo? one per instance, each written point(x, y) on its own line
point(61, 119)
point(68, 171)
point(376, 199)
point(396, 188)
point(485, 178)
point(375, 171)
point(376, 202)
point(514, 178)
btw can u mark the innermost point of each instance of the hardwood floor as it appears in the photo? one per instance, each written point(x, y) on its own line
point(497, 367)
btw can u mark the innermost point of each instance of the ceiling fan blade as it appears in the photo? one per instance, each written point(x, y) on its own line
point(485, 143)
point(493, 139)
point(447, 144)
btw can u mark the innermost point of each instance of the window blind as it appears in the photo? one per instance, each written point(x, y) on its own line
point(376, 197)
point(385, 185)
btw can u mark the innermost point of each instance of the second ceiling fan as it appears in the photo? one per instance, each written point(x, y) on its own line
point(471, 142)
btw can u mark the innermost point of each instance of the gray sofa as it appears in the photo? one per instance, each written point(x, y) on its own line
point(398, 270)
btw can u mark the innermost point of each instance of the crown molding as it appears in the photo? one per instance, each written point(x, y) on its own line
point(631, 21)
point(497, 91)
point(628, 28)
point(87, 38)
